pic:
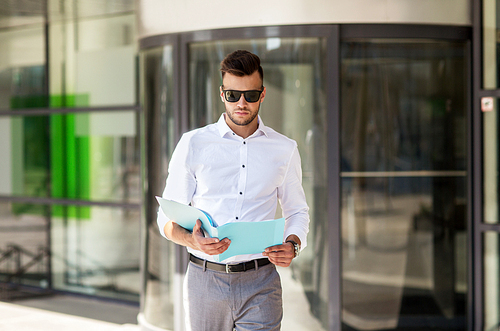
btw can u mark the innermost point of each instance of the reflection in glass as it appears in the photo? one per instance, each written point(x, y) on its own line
point(402, 259)
point(490, 164)
point(80, 9)
point(96, 251)
point(81, 156)
point(24, 164)
point(24, 148)
point(95, 156)
point(491, 283)
point(91, 156)
point(490, 43)
point(19, 14)
point(295, 106)
point(24, 251)
point(162, 275)
point(22, 68)
point(99, 67)
point(404, 184)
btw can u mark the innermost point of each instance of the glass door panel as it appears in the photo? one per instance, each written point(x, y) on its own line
point(295, 105)
point(491, 37)
point(490, 163)
point(404, 155)
point(488, 227)
point(490, 239)
point(162, 279)
point(491, 281)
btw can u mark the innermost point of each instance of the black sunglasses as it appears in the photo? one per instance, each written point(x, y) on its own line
point(234, 96)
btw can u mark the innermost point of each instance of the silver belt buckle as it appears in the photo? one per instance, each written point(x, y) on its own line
point(227, 269)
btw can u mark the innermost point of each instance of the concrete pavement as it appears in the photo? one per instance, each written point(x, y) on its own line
point(16, 317)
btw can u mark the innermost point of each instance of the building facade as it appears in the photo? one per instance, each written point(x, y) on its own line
point(393, 106)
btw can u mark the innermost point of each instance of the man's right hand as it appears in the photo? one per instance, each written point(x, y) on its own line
point(210, 246)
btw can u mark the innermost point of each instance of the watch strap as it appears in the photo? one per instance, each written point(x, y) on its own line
point(296, 248)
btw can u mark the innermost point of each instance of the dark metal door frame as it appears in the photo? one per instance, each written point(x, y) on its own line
point(479, 227)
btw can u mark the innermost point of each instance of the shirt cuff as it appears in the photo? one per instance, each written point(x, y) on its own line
point(162, 220)
point(299, 233)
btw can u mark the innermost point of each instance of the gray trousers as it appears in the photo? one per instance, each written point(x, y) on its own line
point(217, 301)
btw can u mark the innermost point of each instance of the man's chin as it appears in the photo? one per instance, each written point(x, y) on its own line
point(241, 121)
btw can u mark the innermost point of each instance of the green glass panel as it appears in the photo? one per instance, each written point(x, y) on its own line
point(28, 137)
point(69, 158)
point(29, 141)
point(34, 101)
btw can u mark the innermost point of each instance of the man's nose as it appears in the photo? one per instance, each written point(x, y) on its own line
point(242, 101)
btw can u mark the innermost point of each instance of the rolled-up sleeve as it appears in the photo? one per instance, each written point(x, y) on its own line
point(293, 201)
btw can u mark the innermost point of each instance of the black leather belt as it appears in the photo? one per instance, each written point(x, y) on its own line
point(229, 268)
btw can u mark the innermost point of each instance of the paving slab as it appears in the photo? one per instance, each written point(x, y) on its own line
point(15, 317)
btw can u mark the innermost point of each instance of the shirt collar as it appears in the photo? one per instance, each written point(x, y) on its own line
point(225, 129)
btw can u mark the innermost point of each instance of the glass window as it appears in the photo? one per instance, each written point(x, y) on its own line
point(95, 250)
point(491, 287)
point(95, 156)
point(93, 62)
point(24, 251)
point(80, 156)
point(22, 68)
point(20, 14)
point(80, 9)
point(490, 162)
point(491, 38)
point(403, 143)
point(491, 247)
point(89, 156)
point(25, 162)
point(294, 106)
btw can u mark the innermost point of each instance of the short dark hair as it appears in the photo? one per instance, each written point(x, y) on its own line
point(241, 63)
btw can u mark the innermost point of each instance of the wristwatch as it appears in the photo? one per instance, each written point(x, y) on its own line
point(296, 248)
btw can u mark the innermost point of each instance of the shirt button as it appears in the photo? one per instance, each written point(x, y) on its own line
point(241, 193)
point(243, 166)
point(236, 217)
point(244, 143)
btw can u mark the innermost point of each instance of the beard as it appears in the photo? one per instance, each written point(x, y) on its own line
point(242, 122)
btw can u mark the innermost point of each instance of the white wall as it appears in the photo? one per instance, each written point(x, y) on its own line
point(167, 16)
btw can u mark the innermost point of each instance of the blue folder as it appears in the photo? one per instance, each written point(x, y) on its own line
point(246, 237)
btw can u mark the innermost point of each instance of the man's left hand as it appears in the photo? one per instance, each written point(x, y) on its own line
point(280, 255)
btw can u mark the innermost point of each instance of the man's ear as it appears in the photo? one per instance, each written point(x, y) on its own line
point(263, 95)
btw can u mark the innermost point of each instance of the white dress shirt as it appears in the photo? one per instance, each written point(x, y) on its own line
point(235, 179)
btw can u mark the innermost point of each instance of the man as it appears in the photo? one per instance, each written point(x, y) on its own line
point(236, 170)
